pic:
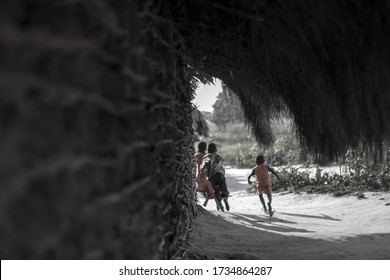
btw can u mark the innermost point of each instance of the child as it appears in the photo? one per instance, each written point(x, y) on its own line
point(212, 166)
point(263, 181)
point(203, 185)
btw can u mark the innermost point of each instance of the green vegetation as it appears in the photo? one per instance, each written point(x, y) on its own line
point(365, 168)
point(296, 181)
point(239, 148)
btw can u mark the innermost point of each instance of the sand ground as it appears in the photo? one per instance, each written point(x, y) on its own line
point(304, 226)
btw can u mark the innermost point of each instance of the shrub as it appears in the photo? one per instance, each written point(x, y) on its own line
point(294, 180)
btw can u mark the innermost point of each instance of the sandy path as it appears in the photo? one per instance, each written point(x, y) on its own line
point(303, 227)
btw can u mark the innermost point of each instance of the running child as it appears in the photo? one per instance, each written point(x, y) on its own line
point(263, 182)
point(203, 185)
point(212, 166)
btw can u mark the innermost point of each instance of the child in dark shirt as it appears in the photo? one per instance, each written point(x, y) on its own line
point(212, 166)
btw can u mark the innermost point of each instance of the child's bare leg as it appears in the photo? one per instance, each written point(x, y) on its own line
point(225, 200)
point(262, 202)
point(218, 200)
point(206, 201)
point(269, 202)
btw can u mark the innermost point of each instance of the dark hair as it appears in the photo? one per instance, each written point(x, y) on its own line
point(260, 159)
point(212, 148)
point(202, 146)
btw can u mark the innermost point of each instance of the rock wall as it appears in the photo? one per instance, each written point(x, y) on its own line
point(96, 139)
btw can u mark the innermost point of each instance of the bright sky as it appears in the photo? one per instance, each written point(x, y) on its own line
point(205, 96)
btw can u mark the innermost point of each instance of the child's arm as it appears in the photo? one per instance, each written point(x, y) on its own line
point(205, 166)
point(270, 169)
point(250, 175)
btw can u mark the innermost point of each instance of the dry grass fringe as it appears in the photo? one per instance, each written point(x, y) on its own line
point(326, 63)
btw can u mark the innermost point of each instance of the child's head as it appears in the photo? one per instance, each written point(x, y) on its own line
point(202, 146)
point(212, 148)
point(260, 159)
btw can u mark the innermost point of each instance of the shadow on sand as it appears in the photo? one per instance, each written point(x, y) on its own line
point(321, 216)
point(214, 237)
